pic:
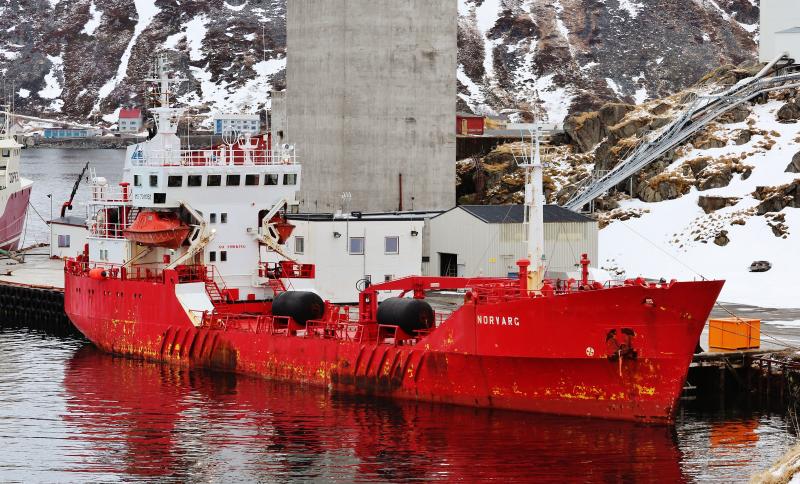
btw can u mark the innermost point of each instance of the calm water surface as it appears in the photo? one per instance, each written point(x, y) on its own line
point(69, 413)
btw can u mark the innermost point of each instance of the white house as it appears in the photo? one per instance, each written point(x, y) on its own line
point(237, 123)
point(130, 120)
point(488, 240)
point(67, 236)
point(347, 249)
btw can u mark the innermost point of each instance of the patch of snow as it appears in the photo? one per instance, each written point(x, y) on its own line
point(23, 93)
point(486, 17)
point(52, 87)
point(249, 37)
point(172, 41)
point(706, 37)
point(661, 242)
point(588, 66)
point(659, 60)
point(146, 10)
point(631, 7)
point(94, 20)
point(196, 30)
point(235, 8)
point(641, 95)
point(614, 87)
point(475, 97)
point(113, 117)
point(556, 101)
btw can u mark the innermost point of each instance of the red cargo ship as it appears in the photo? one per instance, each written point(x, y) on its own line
point(221, 300)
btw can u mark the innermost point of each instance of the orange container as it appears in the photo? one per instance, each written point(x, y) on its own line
point(734, 333)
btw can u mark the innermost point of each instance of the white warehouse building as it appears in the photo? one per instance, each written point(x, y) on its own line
point(349, 248)
point(488, 240)
point(237, 123)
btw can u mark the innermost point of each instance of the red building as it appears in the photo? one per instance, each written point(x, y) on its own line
point(469, 124)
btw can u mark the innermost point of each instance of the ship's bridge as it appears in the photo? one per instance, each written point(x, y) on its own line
point(166, 179)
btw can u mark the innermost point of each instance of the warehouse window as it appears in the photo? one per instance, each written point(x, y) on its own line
point(356, 245)
point(137, 181)
point(212, 218)
point(391, 245)
point(63, 240)
point(223, 218)
point(175, 181)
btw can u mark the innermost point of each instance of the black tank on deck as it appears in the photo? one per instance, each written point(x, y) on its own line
point(409, 314)
point(302, 306)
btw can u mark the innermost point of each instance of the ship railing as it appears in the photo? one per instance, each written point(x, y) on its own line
point(286, 269)
point(110, 194)
point(104, 230)
point(224, 156)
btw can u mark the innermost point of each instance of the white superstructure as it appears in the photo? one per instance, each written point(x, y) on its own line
point(224, 196)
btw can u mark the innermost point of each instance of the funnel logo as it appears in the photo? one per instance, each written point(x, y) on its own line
point(498, 320)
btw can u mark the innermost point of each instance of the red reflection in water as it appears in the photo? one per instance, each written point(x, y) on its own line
point(146, 420)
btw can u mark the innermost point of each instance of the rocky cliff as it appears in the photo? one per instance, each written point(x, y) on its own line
point(85, 57)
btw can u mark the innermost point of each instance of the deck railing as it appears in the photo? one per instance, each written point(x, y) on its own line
point(224, 156)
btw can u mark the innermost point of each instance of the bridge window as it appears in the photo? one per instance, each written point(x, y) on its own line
point(251, 180)
point(153, 180)
point(271, 179)
point(194, 180)
point(356, 246)
point(175, 181)
point(233, 180)
point(290, 179)
point(214, 180)
point(137, 181)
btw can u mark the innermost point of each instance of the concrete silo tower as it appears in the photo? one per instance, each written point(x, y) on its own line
point(780, 29)
point(371, 102)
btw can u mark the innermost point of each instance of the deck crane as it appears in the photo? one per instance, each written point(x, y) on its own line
point(68, 203)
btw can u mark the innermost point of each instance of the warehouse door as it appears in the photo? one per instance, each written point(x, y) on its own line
point(448, 264)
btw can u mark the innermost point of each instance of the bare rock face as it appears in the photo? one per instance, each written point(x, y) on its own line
point(775, 199)
point(711, 204)
point(794, 165)
point(612, 113)
point(585, 129)
point(789, 112)
point(742, 136)
point(722, 239)
point(735, 115)
point(719, 178)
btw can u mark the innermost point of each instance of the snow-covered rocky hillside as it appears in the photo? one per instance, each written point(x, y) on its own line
point(85, 57)
point(716, 230)
point(579, 54)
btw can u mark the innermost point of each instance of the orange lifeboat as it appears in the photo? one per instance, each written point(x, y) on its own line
point(157, 229)
point(283, 228)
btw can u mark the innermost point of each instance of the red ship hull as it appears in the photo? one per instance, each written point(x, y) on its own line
point(619, 353)
point(12, 220)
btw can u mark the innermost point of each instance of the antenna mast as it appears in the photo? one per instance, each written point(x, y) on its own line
point(529, 158)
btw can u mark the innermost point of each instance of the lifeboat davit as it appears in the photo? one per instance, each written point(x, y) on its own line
point(157, 229)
